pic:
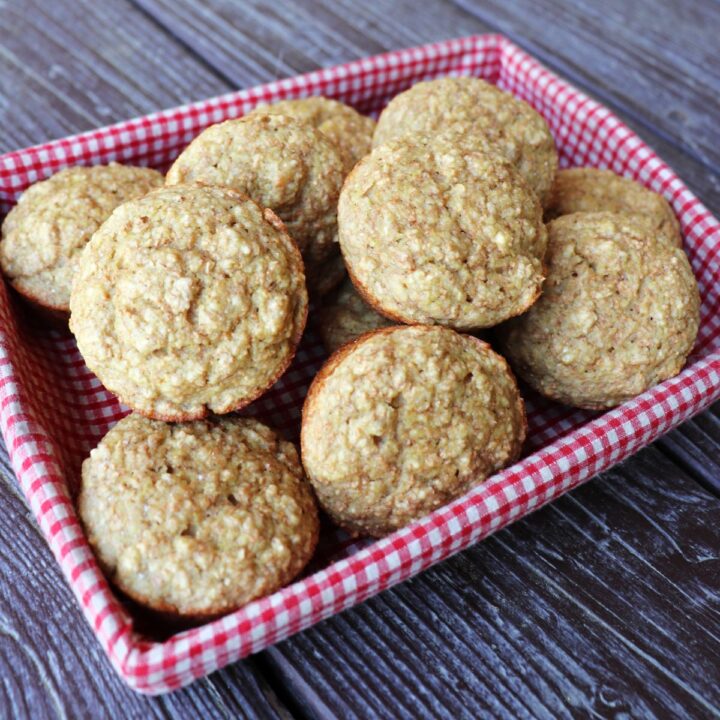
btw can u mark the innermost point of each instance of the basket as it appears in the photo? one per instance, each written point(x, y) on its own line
point(53, 410)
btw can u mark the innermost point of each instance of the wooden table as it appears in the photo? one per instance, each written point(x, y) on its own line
point(604, 604)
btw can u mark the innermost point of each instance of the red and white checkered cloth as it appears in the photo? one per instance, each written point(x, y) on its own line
point(53, 410)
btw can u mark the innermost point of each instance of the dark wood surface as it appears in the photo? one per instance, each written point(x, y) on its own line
point(605, 604)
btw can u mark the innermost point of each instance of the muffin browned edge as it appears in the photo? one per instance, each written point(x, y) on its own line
point(58, 315)
point(169, 613)
point(339, 355)
point(205, 411)
point(374, 303)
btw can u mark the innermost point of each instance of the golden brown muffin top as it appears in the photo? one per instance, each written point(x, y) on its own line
point(593, 190)
point(44, 234)
point(619, 313)
point(281, 163)
point(345, 126)
point(432, 233)
point(476, 111)
point(189, 300)
point(404, 420)
point(199, 518)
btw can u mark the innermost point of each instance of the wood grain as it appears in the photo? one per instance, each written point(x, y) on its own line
point(695, 446)
point(656, 62)
point(72, 66)
point(604, 604)
point(226, 36)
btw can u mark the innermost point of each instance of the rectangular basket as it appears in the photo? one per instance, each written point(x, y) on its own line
point(53, 410)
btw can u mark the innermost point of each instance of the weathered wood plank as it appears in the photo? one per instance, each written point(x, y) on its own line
point(71, 66)
point(51, 664)
point(696, 446)
point(655, 61)
point(251, 44)
point(256, 42)
point(606, 603)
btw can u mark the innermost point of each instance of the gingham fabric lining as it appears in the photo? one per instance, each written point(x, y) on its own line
point(53, 410)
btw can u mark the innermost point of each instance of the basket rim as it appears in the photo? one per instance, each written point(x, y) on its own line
point(155, 667)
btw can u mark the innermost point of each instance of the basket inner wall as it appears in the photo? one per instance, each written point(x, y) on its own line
point(73, 408)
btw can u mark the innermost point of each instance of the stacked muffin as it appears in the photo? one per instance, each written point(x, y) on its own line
point(189, 300)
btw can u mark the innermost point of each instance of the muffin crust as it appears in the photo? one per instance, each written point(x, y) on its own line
point(475, 109)
point(619, 313)
point(404, 420)
point(189, 300)
point(200, 518)
point(44, 234)
point(281, 163)
point(434, 234)
point(343, 125)
point(593, 190)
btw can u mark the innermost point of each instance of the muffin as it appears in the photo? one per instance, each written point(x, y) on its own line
point(619, 313)
point(475, 109)
point(44, 234)
point(435, 234)
point(283, 164)
point(197, 519)
point(404, 420)
point(593, 190)
point(325, 277)
point(189, 300)
point(345, 316)
point(343, 125)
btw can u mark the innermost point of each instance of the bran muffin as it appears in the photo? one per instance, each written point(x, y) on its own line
point(44, 234)
point(189, 300)
point(475, 109)
point(404, 420)
point(345, 316)
point(197, 519)
point(325, 277)
point(435, 234)
point(345, 126)
point(594, 190)
point(619, 313)
point(281, 163)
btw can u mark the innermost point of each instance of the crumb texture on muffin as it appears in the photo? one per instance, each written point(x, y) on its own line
point(619, 313)
point(345, 126)
point(345, 316)
point(594, 190)
point(281, 163)
point(476, 110)
point(197, 519)
point(435, 234)
point(188, 300)
point(405, 420)
point(45, 233)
